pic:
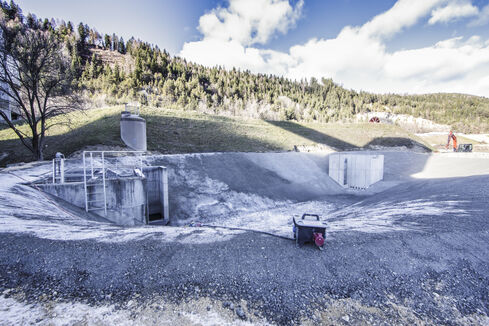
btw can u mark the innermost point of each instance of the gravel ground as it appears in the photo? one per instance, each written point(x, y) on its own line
point(430, 266)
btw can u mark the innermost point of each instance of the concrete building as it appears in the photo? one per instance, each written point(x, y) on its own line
point(358, 171)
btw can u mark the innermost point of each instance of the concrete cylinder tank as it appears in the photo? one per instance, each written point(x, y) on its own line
point(133, 131)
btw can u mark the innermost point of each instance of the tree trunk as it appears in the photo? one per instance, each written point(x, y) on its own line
point(37, 148)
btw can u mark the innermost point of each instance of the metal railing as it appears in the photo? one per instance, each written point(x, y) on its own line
point(95, 167)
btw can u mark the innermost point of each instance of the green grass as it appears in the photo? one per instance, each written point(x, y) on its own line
point(175, 131)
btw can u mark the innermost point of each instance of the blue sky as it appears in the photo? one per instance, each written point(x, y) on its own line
point(404, 46)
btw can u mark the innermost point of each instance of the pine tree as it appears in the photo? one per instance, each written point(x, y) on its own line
point(82, 33)
point(122, 46)
point(115, 42)
point(31, 21)
point(70, 28)
point(107, 42)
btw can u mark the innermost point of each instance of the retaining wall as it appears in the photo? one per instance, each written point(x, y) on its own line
point(126, 198)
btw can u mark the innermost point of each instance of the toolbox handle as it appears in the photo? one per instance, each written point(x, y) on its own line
point(312, 215)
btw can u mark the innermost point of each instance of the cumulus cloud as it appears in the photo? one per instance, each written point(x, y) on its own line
point(358, 57)
point(249, 21)
point(403, 14)
point(453, 11)
point(454, 63)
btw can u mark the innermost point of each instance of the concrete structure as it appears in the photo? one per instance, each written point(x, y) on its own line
point(133, 130)
point(118, 192)
point(126, 198)
point(358, 171)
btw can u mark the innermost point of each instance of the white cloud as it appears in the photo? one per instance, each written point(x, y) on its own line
point(249, 21)
point(453, 11)
point(483, 17)
point(357, 57)
point(403, 14)
point(452, 63)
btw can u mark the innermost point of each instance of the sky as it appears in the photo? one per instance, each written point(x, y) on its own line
point(384, 46)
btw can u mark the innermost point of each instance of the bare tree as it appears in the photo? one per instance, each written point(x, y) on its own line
point(35, 76)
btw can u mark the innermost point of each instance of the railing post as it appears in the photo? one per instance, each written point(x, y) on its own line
point(103, 184)
point(103, 165)
point(62, 170)
point(85, 182)
point(91, 163)
point(54, 171)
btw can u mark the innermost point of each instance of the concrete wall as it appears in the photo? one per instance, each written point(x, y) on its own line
point(126, 198)
point(356, 170)
point(73, 193)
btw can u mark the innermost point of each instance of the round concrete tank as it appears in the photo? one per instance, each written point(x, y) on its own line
point(133, 131)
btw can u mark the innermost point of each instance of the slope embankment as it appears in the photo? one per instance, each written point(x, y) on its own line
point(206, 186)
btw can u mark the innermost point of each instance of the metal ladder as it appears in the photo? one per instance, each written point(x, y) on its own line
point(95, 187)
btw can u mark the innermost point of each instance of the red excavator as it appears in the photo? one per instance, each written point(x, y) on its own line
point(451, 136)
point(461, 147)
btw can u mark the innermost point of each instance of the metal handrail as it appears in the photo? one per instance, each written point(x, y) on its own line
point(103, 166)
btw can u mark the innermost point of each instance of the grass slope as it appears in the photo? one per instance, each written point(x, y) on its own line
point(174, 131)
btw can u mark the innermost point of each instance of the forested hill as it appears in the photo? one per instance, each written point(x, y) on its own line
point(111, 70)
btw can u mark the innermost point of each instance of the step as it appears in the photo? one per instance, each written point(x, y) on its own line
point(95, 201)
point(96, 208)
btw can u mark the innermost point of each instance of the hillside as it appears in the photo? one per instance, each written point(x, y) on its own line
point(164, 81)
point(112, 71)
point(177, 131)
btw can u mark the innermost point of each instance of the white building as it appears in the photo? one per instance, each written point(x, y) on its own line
point(8, 109)
point(356, 170)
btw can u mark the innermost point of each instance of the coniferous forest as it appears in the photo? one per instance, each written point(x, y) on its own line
point(110, 70)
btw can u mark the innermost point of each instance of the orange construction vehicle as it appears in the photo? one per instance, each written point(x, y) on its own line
point(452, 136)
